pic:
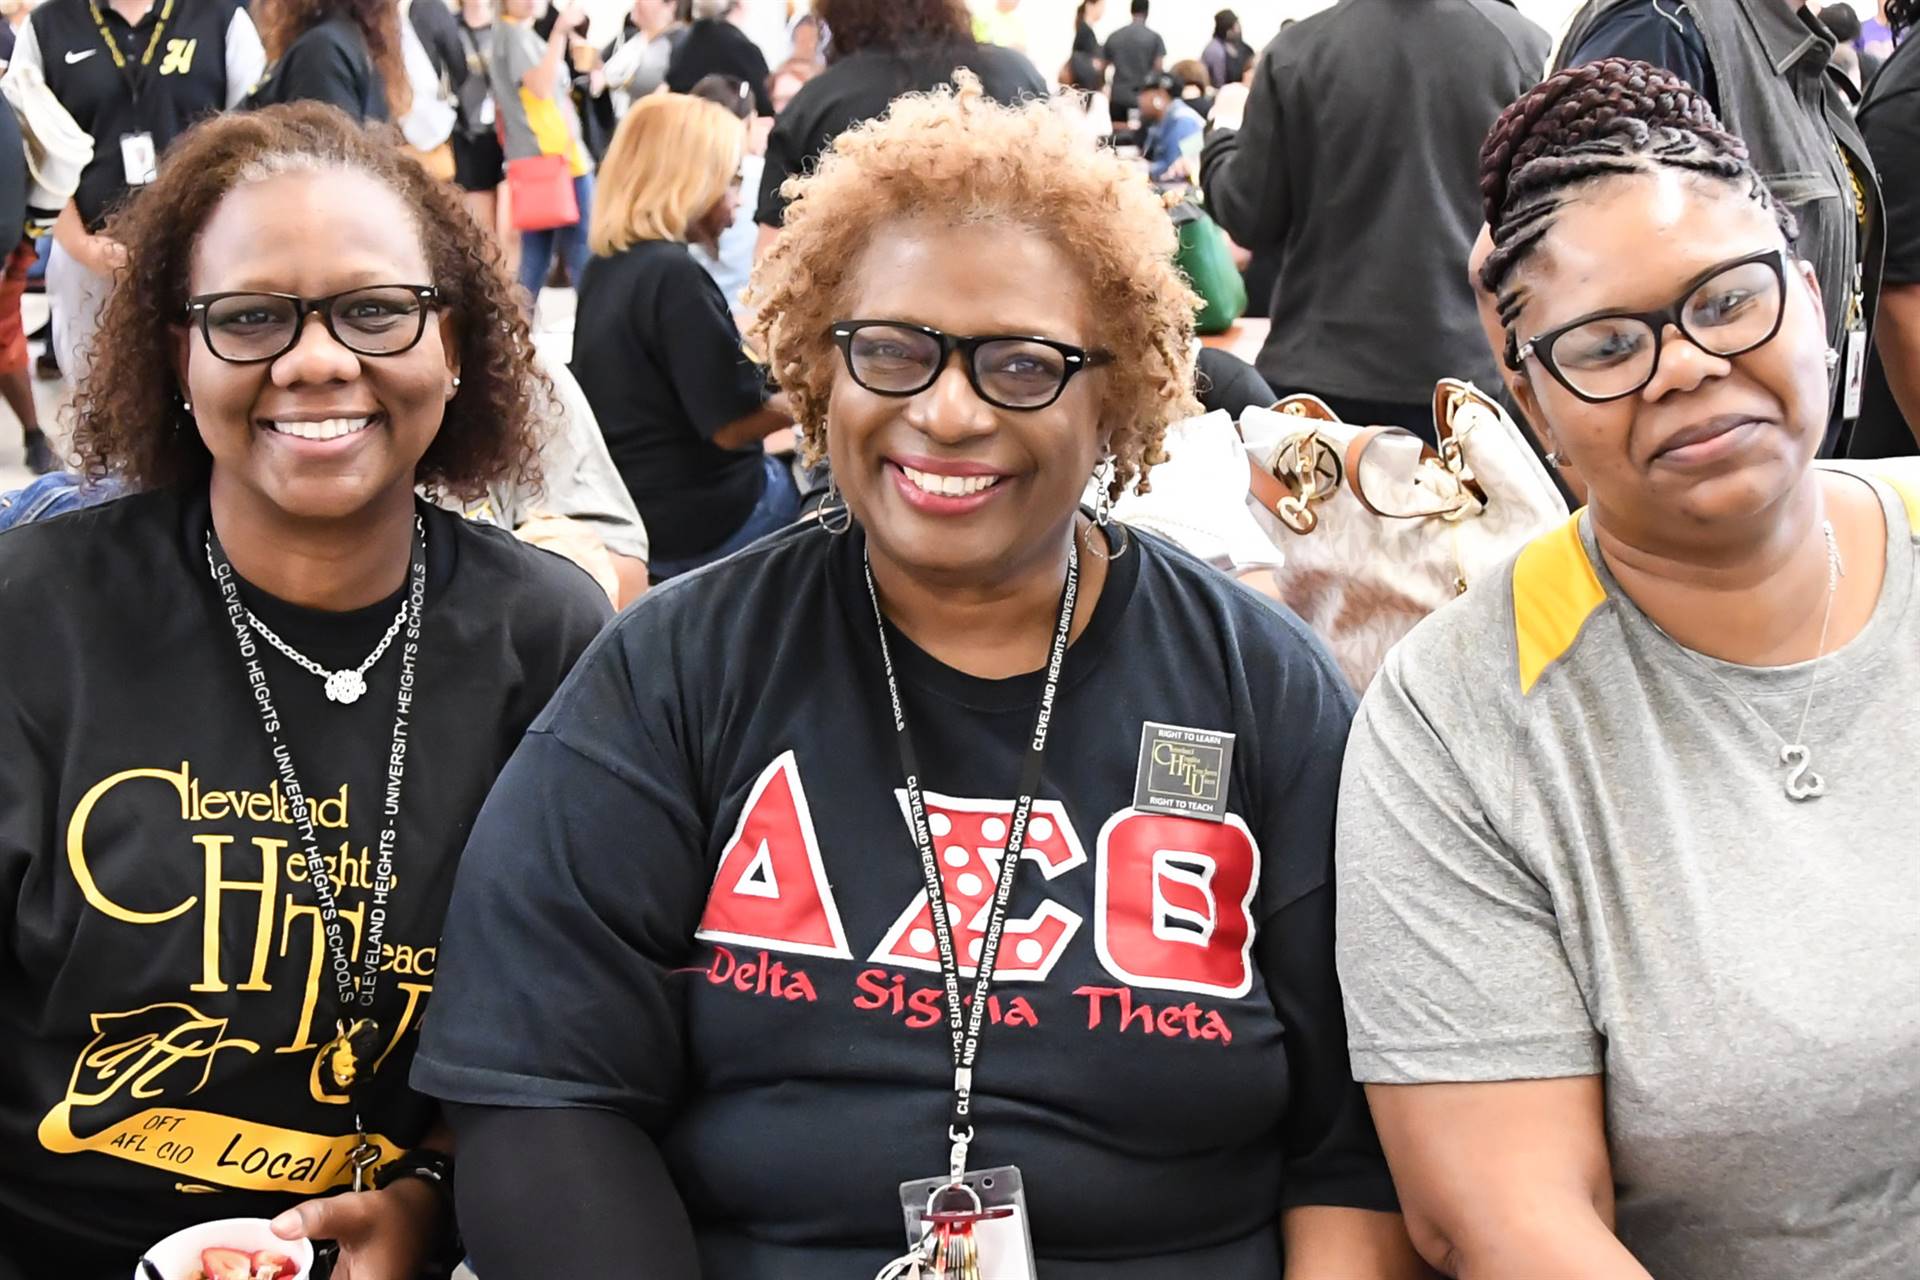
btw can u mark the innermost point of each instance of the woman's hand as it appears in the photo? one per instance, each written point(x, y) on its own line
point(383, 1235)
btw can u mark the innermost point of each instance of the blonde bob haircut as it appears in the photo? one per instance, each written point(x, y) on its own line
point(955, 155)
point(670, 161)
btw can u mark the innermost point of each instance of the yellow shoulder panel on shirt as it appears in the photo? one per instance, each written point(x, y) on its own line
point(1555, 591)
point(1903, 476)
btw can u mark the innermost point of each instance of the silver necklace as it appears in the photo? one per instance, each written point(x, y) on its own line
point(349, 684)
point(1802, 783)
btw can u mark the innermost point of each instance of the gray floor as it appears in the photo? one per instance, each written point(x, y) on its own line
point(553, 331)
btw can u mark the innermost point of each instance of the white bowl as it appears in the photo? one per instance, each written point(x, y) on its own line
point(178, 1256)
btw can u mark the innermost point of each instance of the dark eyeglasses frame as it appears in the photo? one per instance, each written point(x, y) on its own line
point(1540, 346)
point(302, 308)
point(1077, 358)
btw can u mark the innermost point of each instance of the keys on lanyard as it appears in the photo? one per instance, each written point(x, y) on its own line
point(952, 1252)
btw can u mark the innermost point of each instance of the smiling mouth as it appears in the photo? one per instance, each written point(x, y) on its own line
point(324, 429)
point(949, 486)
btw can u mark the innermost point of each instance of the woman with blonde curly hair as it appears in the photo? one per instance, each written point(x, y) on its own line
point(241, 762)
point(942, 835)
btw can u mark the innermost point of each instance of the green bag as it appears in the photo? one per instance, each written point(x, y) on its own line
point(1208, 265)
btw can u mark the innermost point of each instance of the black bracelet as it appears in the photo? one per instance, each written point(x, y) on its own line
point(435, 1167)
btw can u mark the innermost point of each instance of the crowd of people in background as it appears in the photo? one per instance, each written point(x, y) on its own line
point(572, 626)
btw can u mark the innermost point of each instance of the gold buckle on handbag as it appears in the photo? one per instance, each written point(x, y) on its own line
point(1312, 470)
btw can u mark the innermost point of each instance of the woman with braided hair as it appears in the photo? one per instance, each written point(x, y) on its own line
point(1629, 918)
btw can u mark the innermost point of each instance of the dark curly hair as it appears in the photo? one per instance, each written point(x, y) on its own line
point(281, 22)
point(890, 25)
point(1901, 14)
point(130, 420)
point(1609, 117)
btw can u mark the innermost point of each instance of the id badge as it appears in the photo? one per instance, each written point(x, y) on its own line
point(975, 1229)
point(1856, 368)
point(137, 158)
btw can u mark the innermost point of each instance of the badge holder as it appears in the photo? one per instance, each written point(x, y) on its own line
point(972, 1229)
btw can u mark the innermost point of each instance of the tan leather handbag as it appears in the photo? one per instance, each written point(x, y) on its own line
point(1366, 530)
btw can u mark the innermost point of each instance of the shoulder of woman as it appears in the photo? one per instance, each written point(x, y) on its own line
point(108, 546)
point(524, 580)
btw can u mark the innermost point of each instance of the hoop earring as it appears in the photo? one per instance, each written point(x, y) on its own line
point(1103, 514)
point(833, 513)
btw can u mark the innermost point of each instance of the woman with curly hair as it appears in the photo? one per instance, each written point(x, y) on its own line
point(880, 49)
point(964, 768)
point(231, 809)
point(345, 53)
point(1629, 917)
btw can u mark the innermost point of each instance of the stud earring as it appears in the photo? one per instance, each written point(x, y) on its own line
point(1833, 359)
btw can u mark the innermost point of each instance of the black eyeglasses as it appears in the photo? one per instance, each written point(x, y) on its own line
point(1728, 311)
point(374, 320)
point(893, 358)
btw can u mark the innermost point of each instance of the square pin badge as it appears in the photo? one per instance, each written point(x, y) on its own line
point(1183, 771)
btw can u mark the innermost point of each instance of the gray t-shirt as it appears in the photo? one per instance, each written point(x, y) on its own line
point(1565, 849)
point(518, 49)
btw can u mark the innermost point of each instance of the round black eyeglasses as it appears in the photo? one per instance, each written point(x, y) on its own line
point(1727, 311)
point(893, 358)
point(374, 320)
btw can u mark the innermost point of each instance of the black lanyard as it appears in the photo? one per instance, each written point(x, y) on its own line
point(351, 992)
point(134, 80)
point(966, 1024)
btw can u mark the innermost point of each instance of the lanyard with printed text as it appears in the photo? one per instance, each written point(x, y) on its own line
point(964, 1023)
point(134, 79)
point(354, 993)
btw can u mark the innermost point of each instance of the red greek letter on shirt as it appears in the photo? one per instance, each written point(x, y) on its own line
point(771, 887)
point(1173, 902)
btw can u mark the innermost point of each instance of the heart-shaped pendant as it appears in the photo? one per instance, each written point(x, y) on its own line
point(1802, 783)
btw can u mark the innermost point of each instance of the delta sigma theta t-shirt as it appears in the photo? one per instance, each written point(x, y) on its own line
point(693, 898)
point(165, 994)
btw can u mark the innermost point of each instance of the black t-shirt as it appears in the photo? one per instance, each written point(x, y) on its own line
point(328, 63)
point(1133, 50)
point(1085, 42)
point(1890, 123)
point(658, 356)
point(861, 87)
point(186, 80)
point(693, 899)
point(713, 46)
point(163, 1015)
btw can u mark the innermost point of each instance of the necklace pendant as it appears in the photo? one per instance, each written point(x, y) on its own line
point(346, 687)
point(1802, 782)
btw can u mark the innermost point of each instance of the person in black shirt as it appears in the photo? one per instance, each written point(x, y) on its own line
point(714, 46)
point(1135, 52)
point(280, 701)
point(880, 50)
point(479, 162)
point(1089, 55)
point(690, 1006)
point(134, 74)
point(656, 349)
point(1890, 123)
point(342, 52)
point(1368, 198)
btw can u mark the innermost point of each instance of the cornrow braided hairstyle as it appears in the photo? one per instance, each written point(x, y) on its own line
point(1614, 116)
